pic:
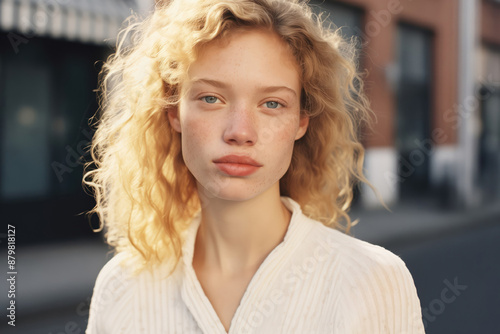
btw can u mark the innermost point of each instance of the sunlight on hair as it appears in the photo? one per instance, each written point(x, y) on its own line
point(145, 194)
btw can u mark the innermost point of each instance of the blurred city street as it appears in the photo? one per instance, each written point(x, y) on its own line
point(457, 278)
point(431, 73)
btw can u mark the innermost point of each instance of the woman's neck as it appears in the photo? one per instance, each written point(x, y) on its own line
point(236, 236)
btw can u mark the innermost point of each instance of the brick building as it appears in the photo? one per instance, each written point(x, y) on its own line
point(434, 84)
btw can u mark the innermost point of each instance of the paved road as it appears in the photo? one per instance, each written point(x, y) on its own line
point(457, 278)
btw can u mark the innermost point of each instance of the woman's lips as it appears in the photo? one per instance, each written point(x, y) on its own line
point(235, 165)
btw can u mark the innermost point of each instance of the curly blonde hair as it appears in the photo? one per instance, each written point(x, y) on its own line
point(145, 195)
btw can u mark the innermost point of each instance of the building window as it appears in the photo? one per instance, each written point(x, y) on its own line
point(25, 170)
point(489, 141)
point(413, 108)
point(46, 99)
point(346, 17)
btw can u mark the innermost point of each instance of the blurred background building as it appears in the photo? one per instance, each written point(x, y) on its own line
point(50, 56)
point(433, 78)
point(434, 84)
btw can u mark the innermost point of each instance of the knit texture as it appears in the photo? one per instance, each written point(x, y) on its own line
point(317, 280)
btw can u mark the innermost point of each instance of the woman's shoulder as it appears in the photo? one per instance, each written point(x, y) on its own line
point(119, 283)
point(357, 256)
point(112, 290)
point(124, 269)
point(377, 287)
point(115, 276)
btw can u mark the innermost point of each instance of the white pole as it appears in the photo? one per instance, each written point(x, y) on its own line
point(467, 101)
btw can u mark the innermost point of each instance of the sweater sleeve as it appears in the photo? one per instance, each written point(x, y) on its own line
point(383, 297)
point(111, 293)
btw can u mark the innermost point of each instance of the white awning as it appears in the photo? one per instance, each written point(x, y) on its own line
point(88, 21)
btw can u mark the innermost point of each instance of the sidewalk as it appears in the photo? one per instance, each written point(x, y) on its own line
point(412, 223)
point(63, 275)
point(56, 275)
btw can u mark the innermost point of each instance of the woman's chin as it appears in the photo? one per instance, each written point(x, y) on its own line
point(236, 196)
point(227, 193)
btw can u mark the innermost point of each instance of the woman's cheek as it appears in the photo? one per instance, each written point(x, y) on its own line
point(278, 129)
point(194, 140)
point(198, 127)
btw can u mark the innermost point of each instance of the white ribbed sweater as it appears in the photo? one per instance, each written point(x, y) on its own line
point(317, 280)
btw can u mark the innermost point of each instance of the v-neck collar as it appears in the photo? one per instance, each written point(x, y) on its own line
point(192, 292)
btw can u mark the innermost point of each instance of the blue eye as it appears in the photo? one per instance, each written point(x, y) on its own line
point(209, 99)
point(273, 104)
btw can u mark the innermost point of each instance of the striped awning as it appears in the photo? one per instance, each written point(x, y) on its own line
point(88, 21)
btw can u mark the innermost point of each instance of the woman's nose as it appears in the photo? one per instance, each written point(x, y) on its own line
point(241, 127)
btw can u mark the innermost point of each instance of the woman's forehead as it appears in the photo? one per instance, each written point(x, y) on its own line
point(247, 54)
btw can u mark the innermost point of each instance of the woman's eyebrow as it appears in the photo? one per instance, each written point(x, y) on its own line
point(215, 83)
point(222, 85)
point(272, 89)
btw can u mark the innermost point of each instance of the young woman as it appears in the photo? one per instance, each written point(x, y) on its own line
point(225, 159)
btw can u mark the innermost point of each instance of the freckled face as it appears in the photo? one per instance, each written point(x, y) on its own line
point(242, 98)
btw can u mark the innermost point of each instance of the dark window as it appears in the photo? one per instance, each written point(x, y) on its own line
point(347, 18)
point(46, 98)
point(489, 141)
point(413, 108)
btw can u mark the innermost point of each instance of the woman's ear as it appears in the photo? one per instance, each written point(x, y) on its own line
point(303, 124)
point(173, 118)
